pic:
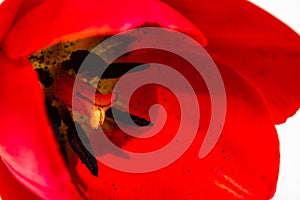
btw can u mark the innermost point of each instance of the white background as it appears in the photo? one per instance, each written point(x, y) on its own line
point(289, 177)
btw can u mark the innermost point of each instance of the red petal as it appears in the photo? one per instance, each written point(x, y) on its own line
point(56, 21)
point(10, 188)
point(27, 144)
point(253, 43)
point(8, 9)
point(243, 165)
point(11, 11)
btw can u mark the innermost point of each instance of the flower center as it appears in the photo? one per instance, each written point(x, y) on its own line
point(57, 67)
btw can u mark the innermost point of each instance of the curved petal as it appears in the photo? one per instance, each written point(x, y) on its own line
point(27, 144)
point(8, 9)
point(253, 43)
point(10, 188)
point(71, 20)
point(11, 11)
point(243, 165)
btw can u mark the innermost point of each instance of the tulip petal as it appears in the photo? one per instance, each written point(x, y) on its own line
point(243, 165)
point(27, 145)
point(255, 44)
point(11, 11)
point(8, 9)
point(55, 21)
point(10, 188)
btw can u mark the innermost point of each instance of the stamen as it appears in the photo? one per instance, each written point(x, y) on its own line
point(97, 118)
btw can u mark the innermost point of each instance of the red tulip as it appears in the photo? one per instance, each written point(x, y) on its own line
point(256, 55)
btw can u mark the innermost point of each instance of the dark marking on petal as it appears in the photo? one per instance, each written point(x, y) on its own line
point(93, 63)
point(116, 70)
point(44, 77)
point(55, 118)
point(122, 117)
point(33, 58)
point(42, 58)
point(96, 64)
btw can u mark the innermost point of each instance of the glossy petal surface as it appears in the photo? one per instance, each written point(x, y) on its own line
point(28, 147)
point(10, 188)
